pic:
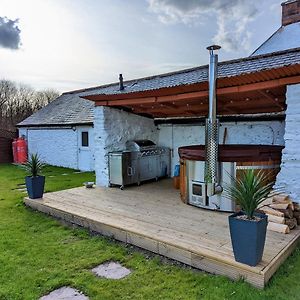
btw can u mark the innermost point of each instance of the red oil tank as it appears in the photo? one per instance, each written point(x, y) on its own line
point(15, 152)
point(21, 150)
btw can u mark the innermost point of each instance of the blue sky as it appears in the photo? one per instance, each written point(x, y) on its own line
point(72, 44)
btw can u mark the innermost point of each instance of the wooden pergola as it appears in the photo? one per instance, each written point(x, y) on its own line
point(255, 92)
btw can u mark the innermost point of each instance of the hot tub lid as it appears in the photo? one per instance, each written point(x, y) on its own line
point(234, 153)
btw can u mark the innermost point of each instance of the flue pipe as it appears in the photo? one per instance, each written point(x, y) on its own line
point(212, 176)
point(121, 84)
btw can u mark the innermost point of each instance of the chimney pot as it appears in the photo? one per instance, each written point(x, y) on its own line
point(121, 84)
point(290, 12)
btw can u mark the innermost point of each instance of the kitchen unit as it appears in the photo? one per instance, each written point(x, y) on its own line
point(141, 161)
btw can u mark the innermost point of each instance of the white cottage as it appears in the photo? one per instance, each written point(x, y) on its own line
point(62, 133)
point(258, 104)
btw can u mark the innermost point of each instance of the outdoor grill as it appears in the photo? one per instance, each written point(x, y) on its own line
point(145, 147)
point(142, 160)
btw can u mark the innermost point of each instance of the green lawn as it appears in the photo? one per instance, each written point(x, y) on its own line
point(38, 254)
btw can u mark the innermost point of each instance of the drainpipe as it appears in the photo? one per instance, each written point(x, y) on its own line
point(212, 174)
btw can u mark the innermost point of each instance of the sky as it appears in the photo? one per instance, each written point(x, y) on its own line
point(73, 44)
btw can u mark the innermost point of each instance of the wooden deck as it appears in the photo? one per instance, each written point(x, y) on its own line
point(153, 217)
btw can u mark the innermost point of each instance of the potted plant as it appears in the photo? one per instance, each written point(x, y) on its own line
point(34, 182)
point(247, 227)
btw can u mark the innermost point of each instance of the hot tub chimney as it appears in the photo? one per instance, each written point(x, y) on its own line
point(212, 129)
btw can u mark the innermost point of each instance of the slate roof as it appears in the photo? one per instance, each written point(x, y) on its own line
point(200, 74)
point(286, 37)
point(68, 109)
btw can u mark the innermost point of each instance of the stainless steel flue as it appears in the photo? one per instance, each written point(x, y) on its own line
point(212, 128)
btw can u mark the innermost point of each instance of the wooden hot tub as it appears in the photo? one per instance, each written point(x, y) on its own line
point(233, 160)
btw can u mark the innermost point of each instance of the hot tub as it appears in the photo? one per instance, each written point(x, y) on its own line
point(233, 159)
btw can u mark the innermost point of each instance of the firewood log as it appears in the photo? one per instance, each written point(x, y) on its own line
point(297, 216)
point(281, 199)
point(275, 219)
point(296, 206)
point(271, 211)
point(279, 205)
point(282, 228)
point(292, 223)
point(288, 213)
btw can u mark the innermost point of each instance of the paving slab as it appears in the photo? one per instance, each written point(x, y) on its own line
point(65, 293)
point(22, 189)
point(111, 270)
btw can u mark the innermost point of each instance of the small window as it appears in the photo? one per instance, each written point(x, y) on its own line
point(84, 139)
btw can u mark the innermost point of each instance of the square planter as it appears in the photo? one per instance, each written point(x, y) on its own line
point(248, 238)
point(35, 186)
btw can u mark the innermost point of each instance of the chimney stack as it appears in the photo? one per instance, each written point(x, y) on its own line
point(121, 85)
point(290, 12)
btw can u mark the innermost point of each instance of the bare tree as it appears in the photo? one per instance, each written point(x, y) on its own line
point(18, 101)
point(44, 97)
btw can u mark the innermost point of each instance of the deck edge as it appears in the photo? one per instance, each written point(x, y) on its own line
point(188, 257)
point(277, 261)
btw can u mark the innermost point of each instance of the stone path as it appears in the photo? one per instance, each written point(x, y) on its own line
point(22, 189)
point(111, 270)
point(65, 293)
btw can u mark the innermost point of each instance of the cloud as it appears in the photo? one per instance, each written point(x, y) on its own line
point(231, 17)
point(9, 33)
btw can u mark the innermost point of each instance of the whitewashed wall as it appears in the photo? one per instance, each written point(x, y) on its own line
point(269, 133)
point(113, 128)
point(289, 175)
point(56, 146)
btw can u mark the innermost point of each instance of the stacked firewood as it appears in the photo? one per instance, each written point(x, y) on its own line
point(283, 214)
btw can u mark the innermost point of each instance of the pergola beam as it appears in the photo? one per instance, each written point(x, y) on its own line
point(200, 94)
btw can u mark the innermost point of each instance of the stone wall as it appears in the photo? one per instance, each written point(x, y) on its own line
point(289, 175)
point(113, 127)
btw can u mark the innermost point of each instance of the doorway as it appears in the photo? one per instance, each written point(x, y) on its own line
point(85, 155)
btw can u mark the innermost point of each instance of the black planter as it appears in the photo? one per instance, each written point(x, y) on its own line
point(248, 238)
point(35, 186)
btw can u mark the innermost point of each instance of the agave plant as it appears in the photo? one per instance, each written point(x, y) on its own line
point(249, 190)
point(34, 165)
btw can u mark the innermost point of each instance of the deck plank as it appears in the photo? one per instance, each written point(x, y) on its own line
point(153, 217)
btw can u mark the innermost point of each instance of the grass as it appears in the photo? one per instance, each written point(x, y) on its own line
point(38, 254)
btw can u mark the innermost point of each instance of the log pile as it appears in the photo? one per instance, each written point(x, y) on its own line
point(283, 214)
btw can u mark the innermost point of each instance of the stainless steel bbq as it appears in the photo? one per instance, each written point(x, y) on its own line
point(142, 160)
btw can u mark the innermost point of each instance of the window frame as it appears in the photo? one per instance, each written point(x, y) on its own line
point(87, 144)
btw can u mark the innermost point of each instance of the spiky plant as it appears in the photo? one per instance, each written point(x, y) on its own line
point(249, 190)
point(34, 165)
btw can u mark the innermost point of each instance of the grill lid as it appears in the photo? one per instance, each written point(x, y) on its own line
point(140, 145)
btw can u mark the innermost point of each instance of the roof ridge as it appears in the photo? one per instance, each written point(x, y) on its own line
point(247, 58)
